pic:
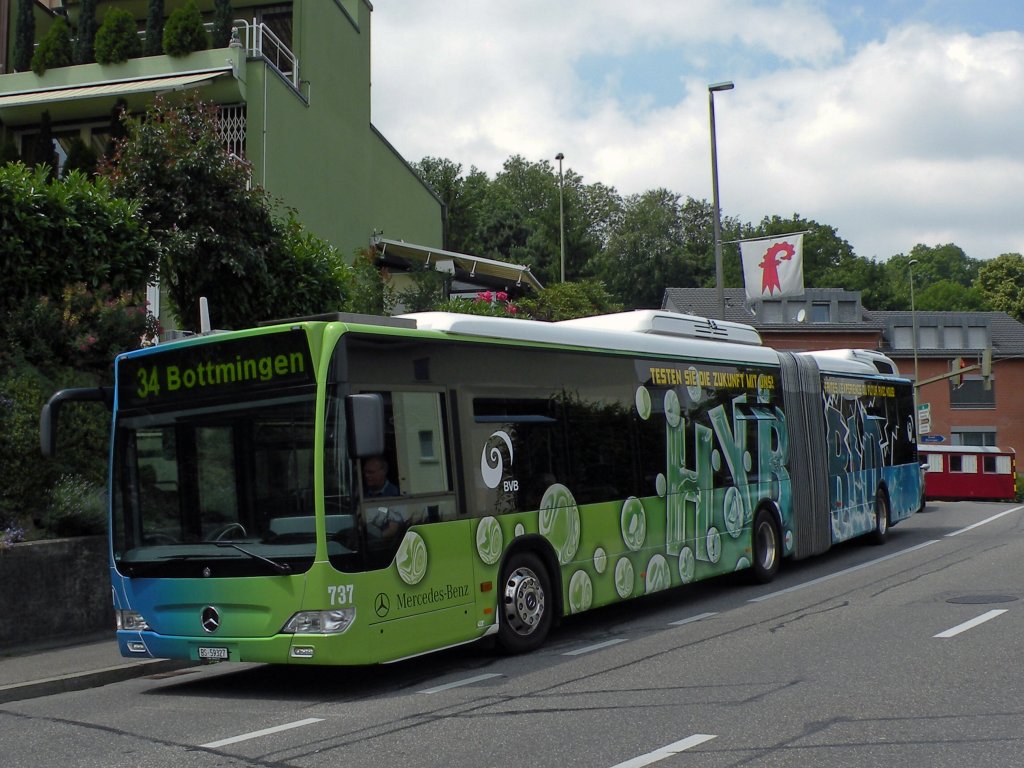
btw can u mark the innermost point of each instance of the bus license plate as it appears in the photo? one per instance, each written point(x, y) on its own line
point(220, 654)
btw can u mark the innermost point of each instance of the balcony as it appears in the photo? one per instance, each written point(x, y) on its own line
point(86, 91)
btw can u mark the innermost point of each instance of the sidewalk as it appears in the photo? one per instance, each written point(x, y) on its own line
point(28, 675)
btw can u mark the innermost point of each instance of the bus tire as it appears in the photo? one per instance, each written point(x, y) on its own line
point(525, 603)
point(766, 547)
point(881, 530)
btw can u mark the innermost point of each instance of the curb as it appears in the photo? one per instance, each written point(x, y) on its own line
point(81, 681)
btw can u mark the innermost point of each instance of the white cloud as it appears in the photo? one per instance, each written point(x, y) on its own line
point(912, 138)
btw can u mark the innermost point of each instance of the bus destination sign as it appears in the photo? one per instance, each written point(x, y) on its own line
point(215, 369)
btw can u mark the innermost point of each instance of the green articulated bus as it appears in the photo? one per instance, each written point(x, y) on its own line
point(352, 490)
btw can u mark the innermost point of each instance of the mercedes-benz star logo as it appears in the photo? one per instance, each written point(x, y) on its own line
point(210, 619)
point(382, 605)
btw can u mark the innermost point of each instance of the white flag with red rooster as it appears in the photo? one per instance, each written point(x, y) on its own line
point(773, 267)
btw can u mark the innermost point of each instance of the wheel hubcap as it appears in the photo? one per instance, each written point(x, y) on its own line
point(523, 601)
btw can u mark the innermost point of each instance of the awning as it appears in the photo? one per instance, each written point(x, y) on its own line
point(467, 268)
point(121, 88)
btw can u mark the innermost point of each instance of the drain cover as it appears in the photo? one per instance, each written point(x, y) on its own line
point(982, 599)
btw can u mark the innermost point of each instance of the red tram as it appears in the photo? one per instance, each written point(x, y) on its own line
point(957, 472)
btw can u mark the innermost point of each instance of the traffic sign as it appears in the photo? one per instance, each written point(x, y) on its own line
point(933, 438)
point(924, 418)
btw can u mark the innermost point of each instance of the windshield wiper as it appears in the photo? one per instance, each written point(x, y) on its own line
point(279, 567)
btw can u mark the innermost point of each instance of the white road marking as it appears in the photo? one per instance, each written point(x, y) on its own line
point(460, 683)
point(983, 522)
point(595, 647)
point(972, 623)
point(666, 751)
point(264, 732)
point(830, 576)
point(691, 619)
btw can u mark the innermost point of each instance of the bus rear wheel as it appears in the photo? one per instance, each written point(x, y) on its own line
point(525, 603)
point(881, 528)
point(765, 546)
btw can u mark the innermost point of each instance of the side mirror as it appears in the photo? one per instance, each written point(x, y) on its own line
point(50, 412)
point(365, 424)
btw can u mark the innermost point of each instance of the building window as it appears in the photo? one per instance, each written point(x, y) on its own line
point(974, 436)
point(952, 337)
point(977, 337)
point(771, 312)
point(903, 337)
point(927, 337)
point(820, 312)
point(972, 394)
point(934, 462)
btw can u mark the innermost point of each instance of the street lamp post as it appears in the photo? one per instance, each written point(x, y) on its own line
point(719, 270)
point(561, 212)
point(913, 318)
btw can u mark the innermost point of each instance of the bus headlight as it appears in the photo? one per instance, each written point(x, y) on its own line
point(133, 621)
point(320, 622)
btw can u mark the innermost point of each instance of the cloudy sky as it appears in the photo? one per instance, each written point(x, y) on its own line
point(895, 121)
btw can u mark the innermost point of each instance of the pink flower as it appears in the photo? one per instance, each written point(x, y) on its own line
point(502, 296)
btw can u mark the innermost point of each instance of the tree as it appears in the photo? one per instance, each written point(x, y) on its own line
point(222, 23)
point(117, 39)
point(645, 253)
point(154, 28)
point(24, 35)
point(1001, 283)
point(54, 50)
point(86, 32)
point(463, 199)
point(217, 237)
point(949, 296)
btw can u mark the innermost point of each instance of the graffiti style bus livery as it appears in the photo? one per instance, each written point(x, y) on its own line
point(535, 470)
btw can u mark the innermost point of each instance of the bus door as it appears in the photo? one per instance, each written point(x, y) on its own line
point(410, 517)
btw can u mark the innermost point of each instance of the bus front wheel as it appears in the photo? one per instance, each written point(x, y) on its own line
point(525, 609)
point(766, 547)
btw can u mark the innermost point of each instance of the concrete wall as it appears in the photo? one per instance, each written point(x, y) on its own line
point(54, 591)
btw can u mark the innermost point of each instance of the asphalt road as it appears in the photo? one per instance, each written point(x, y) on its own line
point(904, 655)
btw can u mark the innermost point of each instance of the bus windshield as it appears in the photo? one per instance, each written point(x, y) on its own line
point(219, 490)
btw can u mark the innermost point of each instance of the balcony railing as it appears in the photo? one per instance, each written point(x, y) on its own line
point(258, 40)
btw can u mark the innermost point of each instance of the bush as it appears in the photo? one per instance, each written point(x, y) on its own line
point(55, 233)
point(309, 276)
point(566, 301)
point(372, 295)
point(26, 478)
point(54, 50)
point(184, 31)
point(78, 507)
point(117, 39)
point(84, 329)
